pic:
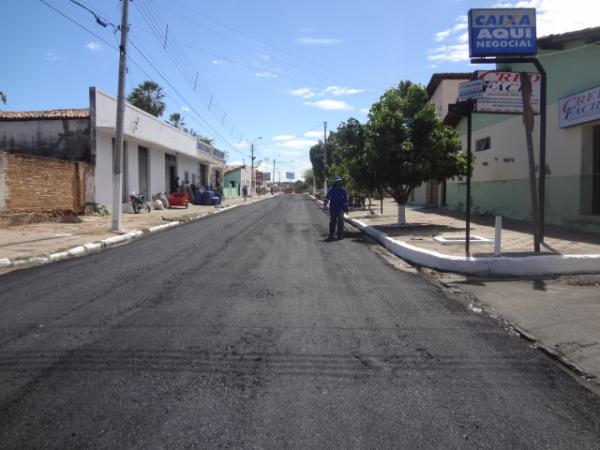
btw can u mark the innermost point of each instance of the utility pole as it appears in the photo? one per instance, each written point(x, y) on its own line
point(324, 158)
point(118, 152)
point(273, 180)
point(252, 170)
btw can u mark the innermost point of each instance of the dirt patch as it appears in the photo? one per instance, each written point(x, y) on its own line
point(13, 220)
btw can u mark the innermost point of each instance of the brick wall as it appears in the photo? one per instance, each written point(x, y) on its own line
point(36, 184)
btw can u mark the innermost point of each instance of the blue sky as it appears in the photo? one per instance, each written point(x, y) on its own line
point(276, 69)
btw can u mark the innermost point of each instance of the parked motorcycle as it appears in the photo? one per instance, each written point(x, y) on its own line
point(138, 202)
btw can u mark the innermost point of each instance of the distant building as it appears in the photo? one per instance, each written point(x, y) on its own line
point(235, 178)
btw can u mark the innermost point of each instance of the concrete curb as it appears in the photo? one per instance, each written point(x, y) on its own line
point(92, 247)
point(503, 266)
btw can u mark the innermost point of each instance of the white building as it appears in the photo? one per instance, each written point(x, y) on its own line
point(154, 152)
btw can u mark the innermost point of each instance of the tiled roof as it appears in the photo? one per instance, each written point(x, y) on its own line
point(437, 78)
point(557, 41)
point(53, 114)
point(232, 168)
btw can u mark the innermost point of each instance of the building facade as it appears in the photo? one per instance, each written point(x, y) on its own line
point(156, 156)
point(500, 175)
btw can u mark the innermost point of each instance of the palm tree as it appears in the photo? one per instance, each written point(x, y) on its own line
point(149, 97)
point(177, 121)
point(2, 97)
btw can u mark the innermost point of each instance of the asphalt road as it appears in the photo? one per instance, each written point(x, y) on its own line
point(246, 330)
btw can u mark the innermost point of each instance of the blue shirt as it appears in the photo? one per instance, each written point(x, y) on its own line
point(338, 199)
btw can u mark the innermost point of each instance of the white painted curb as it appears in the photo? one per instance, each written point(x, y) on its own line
point(91, 247)
point(503, 266)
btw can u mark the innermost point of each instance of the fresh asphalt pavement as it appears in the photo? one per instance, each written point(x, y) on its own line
point(247, 330)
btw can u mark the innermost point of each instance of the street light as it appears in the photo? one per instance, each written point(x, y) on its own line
point(252, 166)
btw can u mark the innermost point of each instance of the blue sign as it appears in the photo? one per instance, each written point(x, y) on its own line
point(502, 32)
point(290, 175)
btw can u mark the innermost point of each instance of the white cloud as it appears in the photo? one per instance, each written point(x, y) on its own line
point(303, 92)
point(265, 75)
point(50, 55)
point(243, 145)
point(185, 108)
point(314, 134)
point(93, 46)
point(297, 143)
point(365, 110)
point(337, 91)
point(218, 61)
point(330, 105)
point(307, 40)
point(283, 137)
point(452, 53)
point(553, 17)
point(263, 56)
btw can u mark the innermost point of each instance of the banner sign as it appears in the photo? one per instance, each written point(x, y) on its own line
point(266, 176)
point(502, 32)
point(470, 90)
point(290, 175)
point(579, 108)
point(501, 92)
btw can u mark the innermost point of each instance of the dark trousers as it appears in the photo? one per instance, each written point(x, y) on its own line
point(336, 219)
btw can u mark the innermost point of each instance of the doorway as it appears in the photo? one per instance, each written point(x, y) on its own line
point(170, 173)
point(143, 170)
point(596, 171)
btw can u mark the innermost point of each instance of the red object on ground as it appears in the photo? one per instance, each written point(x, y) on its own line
point(178, 199)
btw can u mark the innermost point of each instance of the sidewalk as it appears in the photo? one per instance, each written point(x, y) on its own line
point(563, 252)
point(562, 316)
point(19, 244)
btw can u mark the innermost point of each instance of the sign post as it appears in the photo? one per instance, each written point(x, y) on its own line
point(508, 36)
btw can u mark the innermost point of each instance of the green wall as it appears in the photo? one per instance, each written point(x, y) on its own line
point(566, 200)
point(234, 176)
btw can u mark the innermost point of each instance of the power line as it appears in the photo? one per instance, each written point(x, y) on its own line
point(267, 44)
point(166, 80)
point(108, 44)
point(182, 63)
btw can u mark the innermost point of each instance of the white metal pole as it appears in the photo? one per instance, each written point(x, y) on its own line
point(118, 152)
point(498, 237)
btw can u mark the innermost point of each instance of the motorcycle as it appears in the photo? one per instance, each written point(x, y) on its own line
point(138, 202)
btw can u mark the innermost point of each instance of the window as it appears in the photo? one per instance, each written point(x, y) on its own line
point(483, 144)
point(186, 177)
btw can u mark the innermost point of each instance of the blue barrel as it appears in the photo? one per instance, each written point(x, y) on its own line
point(216, 201)
point(206, 198)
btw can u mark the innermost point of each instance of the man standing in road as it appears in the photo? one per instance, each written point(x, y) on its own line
point(337, 198)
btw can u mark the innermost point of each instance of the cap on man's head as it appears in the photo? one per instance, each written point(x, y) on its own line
point(338, 179)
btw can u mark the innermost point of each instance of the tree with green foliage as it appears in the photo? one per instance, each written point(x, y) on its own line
point(149, 97)
point(350, 160)
point(407, 144)
point(309, 178)
point(316, 159)
point(177, 121)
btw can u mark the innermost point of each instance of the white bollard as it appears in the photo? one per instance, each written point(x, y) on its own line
point(498, 237)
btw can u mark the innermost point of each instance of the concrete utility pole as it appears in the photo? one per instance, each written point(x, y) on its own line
point(273, 180)
point(252, 169)
point(324, 158)
point(252, 183)
point(118, 152)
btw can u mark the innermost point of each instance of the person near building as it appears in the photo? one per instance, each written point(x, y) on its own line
point(245, 192)
point(337, 199)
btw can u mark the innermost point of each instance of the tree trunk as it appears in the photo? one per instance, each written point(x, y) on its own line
point(528, 122)
point(401, 214)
